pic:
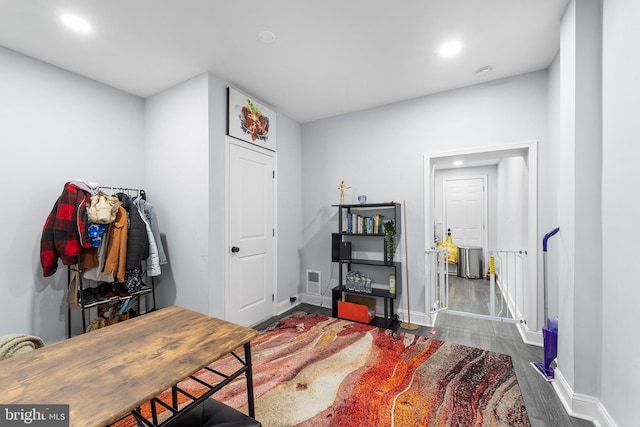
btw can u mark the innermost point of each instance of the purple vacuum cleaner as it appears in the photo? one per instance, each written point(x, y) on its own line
point(550, 329)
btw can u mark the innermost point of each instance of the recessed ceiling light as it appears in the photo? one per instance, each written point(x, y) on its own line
point(458, 163)
point(75, 23)
point(450, 48)
point(267, 36)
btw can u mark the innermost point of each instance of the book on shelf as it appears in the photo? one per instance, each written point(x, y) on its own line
point(358, 224)
point(345, 221)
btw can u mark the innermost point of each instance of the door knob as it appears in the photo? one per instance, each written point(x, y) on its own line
point(235, 249)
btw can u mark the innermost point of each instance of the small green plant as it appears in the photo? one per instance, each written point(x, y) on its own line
point(389, 228)
point(253, 108)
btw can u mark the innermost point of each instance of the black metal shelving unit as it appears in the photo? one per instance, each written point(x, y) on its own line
point(390, 211)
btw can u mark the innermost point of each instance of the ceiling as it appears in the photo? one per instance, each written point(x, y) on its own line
point(329, 57)
point(481, 157)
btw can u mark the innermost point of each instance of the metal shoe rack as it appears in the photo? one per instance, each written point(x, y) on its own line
point(84, 306)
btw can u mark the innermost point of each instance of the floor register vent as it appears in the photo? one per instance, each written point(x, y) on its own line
point(313, 282)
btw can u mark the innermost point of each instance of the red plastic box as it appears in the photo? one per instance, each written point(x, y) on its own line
point(357, 309)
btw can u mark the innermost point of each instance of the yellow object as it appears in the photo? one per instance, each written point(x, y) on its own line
point(452, 254)
point(492, 269)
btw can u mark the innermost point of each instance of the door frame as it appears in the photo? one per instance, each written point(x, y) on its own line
point(529, 150)
point(227, 240)
point(485, 212)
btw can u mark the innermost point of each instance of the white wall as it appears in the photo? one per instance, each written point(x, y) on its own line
point(56, 126)
point(511, 205)
point(588, 220)
point(177, 158)
point(548, 218)
point(217, 210)
point(185, 141)
point(289, 229)
point(579, 194)
point(379, 152)
point(620, 383)
point(561, 249)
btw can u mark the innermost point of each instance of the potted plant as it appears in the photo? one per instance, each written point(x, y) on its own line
point(389, 228)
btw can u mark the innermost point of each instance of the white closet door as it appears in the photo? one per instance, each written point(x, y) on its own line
point(251, 236)
point(464, 211)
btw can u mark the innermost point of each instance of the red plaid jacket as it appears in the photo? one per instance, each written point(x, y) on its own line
point(65, 231)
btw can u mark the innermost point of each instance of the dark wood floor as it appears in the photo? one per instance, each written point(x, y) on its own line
point(543, 405)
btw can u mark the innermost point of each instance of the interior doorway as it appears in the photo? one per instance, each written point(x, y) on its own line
point(483, 157)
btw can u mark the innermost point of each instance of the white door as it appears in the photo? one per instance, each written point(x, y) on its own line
point(464, 211)
point(251, 236)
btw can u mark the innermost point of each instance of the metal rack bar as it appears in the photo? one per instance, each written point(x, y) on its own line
point(138, 190)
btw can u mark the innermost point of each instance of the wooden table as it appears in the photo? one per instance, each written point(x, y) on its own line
point(104, 374)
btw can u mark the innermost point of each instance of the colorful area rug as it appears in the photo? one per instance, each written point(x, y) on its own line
point(312, 370)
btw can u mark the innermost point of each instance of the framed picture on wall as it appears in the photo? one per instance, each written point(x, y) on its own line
point(250, 121)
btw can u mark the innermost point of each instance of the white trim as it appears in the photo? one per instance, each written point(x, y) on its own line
point(580, 405)
point(530, 337)
point(317, 300)
point(422, 319)
point(276, 231)
point(227, 169)
point(288, 305)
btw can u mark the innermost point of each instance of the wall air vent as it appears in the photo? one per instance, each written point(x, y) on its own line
point(313, 282)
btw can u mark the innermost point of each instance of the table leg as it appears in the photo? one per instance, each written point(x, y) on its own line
point(249, 374)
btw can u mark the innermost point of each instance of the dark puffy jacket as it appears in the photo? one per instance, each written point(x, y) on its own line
point(137, 238)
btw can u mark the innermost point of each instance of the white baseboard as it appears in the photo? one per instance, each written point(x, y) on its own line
point(287, 305)
point(422, 319)
point(319, 300)
point(530, 337)
point(580, 405)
